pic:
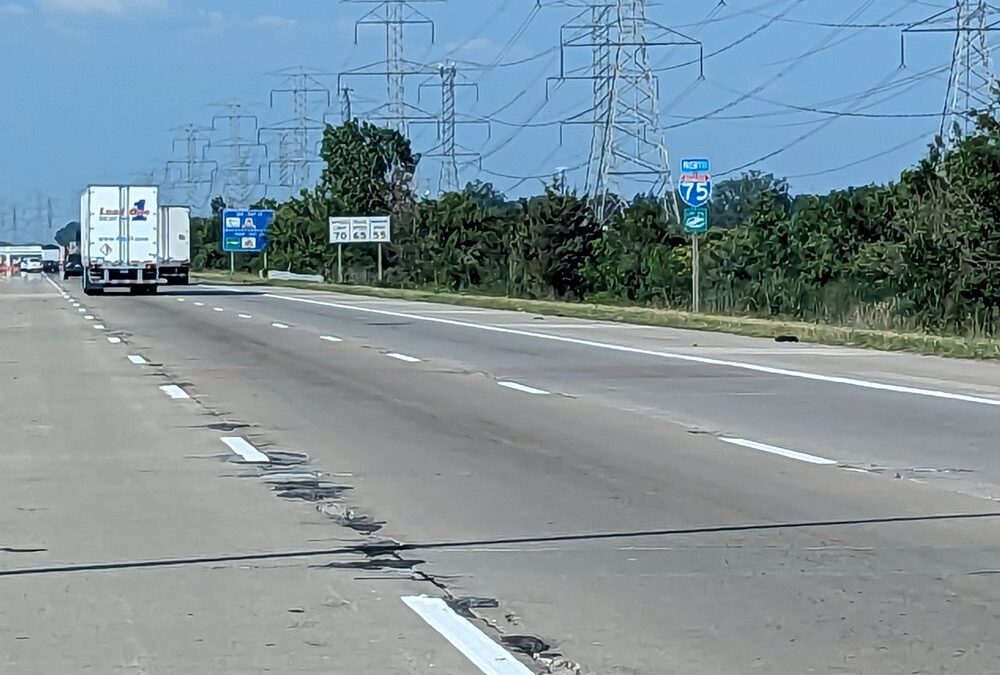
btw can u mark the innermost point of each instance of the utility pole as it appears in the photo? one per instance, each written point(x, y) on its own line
point(237, 185)
point(447, 149)
point(627, 141)
point(295, 154)
point(972, 86)
point(192, 175)
point(394, 16)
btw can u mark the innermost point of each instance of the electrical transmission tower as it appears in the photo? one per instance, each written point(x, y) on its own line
point(238, 183)
point(188, 174)
point(394, 16)
point(346, 105)
point(447, 149)
point(295, 149)
point(627, 141)
point(972, 87)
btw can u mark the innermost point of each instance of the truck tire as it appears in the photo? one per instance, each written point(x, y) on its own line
point(88, 289)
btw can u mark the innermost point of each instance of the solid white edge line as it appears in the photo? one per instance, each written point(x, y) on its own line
point(244, 316)
point(403, 357)
point(516, 386)
point(330, 338)
point(488, 656)
point(775, 450)
point(114, 340)
point(137, 360)
point(173, 391)
point(246, 450)
point(704, 360)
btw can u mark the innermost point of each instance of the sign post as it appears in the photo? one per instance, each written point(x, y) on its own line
point(695, 187)
point(245, 231)
point(360, 230)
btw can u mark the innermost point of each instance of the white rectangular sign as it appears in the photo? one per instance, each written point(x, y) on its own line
point(340, 230)
point(360, 230)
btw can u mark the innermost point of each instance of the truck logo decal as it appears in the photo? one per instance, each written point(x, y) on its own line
point(138, 212)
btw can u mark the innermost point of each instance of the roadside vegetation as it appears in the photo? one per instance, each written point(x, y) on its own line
point(917, 257)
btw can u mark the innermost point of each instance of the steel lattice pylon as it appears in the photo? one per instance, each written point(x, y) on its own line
point(394, 16)
point(627, 141)
point(972, 86)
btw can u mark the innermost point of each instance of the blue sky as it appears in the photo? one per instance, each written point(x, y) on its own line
point(96, 90)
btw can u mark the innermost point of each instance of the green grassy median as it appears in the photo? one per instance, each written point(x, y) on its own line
point(922, 343)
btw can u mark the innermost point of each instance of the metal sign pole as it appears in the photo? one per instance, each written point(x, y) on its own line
point(380, 262)
point(340, 263)
point(232, 263)
point(695, 274)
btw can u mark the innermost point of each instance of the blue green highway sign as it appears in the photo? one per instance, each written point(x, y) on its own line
point(696, 220)
point(245, 231)
point(695, 185)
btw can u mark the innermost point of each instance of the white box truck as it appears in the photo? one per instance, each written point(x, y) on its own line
point(118, 238)
point(175, 244)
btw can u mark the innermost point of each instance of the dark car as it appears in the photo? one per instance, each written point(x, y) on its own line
point(72, 267)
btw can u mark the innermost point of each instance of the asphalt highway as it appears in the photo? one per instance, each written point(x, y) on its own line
point(586, 497)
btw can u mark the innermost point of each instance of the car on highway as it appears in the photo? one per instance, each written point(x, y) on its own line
point(72, 267)
point(33, 265)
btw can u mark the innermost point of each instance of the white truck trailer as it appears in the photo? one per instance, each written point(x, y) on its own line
point(175, 244)
point(118, 238)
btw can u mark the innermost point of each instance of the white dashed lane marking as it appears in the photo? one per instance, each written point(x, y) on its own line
point(246, 450)
point(403, 357)
point(173, 391)
point(516, 386)
point(137, 360)
point(775, 450)
point(489, 657)
point(277, 324)
point(244, 316)
point(330, 338)
point(114, 340)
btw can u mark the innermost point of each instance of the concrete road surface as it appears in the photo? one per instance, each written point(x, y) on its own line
point(591, 497)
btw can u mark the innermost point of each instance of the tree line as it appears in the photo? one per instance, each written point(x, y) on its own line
point(919, 253)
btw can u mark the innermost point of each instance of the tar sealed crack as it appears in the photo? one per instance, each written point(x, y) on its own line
point(466, 603)
point(17, 549)
point(309, 490)
point(226, 426)
point(377, 564)
point(525, 644)
point(287, 458)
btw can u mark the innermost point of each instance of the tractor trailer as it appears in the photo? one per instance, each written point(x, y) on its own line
point(118, 238)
